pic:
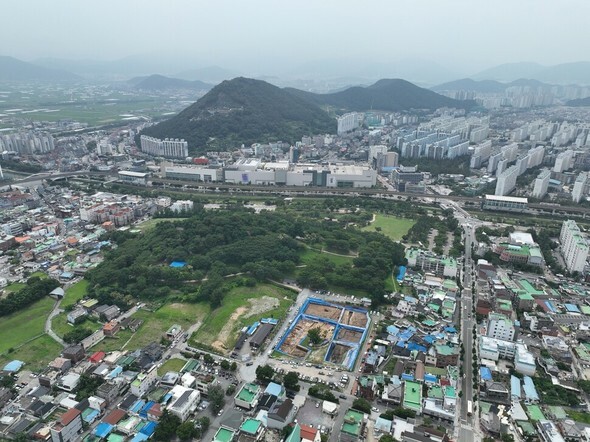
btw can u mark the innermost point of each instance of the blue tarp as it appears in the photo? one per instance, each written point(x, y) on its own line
point(102, 430)
point(485, 373)
point(401, 274)
point(450, 329)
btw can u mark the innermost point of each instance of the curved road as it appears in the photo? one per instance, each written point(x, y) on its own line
point(56, 310)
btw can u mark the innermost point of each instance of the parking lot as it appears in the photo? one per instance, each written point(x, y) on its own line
point(312, 414)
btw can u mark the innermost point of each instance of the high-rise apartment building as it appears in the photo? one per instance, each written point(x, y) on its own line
point(563, 161)
point(541, 184)
point(506, 181)
point(167, 148)
point(580, 187)
point(574, 246)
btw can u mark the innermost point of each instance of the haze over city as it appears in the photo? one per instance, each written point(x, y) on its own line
point(455, 38)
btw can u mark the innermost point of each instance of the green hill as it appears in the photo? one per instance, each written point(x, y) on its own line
point(385, 95)
point(579, 102)
point(244, 111)
point(15, 70)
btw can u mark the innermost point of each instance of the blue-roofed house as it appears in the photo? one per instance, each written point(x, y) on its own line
point(430, 378)
point(102, 430)
point(275, 389)
point(530, 391)
point(392, 330)
point(515, 389)
point(572, 308)
point(13, 366)
point(149, 428)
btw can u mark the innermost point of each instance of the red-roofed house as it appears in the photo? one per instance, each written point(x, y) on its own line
point(97, 357)
point(309, 434)
point(115, 416)
point(155, 412)
point(111, 328)
point(68, 427)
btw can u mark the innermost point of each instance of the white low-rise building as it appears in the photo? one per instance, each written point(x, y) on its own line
point(184, 401)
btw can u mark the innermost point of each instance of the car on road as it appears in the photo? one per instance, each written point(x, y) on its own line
point(375, 409)
point(342, 396)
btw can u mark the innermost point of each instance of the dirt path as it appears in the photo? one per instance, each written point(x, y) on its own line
point(219, 344)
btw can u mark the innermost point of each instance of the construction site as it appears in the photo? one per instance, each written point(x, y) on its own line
point(343, 329)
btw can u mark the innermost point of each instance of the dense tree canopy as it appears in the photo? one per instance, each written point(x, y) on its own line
point(215, 244)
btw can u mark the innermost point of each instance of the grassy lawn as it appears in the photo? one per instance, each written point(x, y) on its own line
point(309, 255)
point(579, 416)
point(156, 323)
point(173, 364)
point(390, 226)
point(151, 223)
point(74, 293)
point(39, 275)
point(115, 343)
point(14, 287)
point(60, 324)
point(237, 298)
point(36, 354)
point(21, 326)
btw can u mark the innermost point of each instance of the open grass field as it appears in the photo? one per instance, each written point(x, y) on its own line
point(156, 323)
point(151, 223)
point(242, 306)
point(390, 226)
point(60, 325)
point(309, 255)
point(36, 354)
point(173, 364)
point(74, 293)
point(14, 287)
point(17, 328)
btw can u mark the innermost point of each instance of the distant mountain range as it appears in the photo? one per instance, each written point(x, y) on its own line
point(385, 95)
point(246, 111)
point(158, 82)
point(565, 73)
point(485, 86)
point(579, 102)
point(15, 70)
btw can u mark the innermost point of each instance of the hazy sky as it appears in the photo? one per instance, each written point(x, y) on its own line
point(462, 35)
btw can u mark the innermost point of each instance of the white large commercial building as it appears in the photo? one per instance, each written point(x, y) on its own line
point(348, 122)
point(574, 246)
point(541, 184)
point(167, 148)
point(506, 181)
point(191, 173)
point(580, 187)
point(495, 349)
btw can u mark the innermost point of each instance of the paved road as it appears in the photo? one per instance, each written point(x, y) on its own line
point(467, 430)
point(56, 311)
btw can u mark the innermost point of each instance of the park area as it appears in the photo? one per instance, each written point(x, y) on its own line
point(151, 223)
point(390, 226)
point(342, 328)
point(23, 336)
point(242, 306)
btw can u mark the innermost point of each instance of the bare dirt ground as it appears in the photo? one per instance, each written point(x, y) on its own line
point(349, 335)
point(227, 329)
point(261, 305)
point(323, 311)
point(299, 332)
point(354, 318)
